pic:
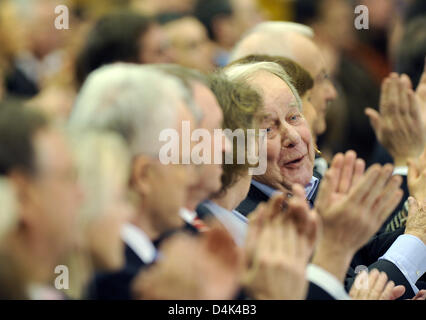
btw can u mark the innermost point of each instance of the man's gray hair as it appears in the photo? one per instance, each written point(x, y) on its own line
point(247, 71)
point(269, 38)
point(187, 76)
point(135, 101)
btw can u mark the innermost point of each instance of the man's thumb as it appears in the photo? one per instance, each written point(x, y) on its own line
point(374, 117)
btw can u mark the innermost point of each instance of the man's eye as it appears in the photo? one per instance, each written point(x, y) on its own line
point(271, 131)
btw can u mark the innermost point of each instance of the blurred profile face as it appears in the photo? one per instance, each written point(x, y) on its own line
point(164, 187)
point(309, 111)
point(42, 34)
point(104, 231)
point(337, 24)
point(56, 194)
point(284, 120)
point(209, 175)
point(307, 54)
point(191, 45)
point(247, 14)
point(155, 46)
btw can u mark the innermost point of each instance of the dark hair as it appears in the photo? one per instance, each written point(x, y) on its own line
point(415, 9)
point(307, 11)
point(301, 78)
point(208, 10)
point(412, 49)
point(240, 106)
point(115, 37)
point(18, 125)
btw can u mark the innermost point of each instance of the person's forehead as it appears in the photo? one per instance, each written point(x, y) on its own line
point(274, 91)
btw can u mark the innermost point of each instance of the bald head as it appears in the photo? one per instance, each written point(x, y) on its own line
point(289, 40)
point(293, 41)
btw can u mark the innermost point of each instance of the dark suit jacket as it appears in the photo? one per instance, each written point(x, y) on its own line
point(19, 85)
point(256, 196)
point(116, 285)
point(369, 255)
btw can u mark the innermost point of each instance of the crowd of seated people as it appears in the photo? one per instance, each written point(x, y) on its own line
point(176, 155)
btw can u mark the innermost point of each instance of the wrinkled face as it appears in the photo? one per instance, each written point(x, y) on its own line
point(155, 46)
point(57, 195)
point(285, 123)
point(191, 45)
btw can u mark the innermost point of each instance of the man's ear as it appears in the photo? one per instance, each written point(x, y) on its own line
point(141, 175)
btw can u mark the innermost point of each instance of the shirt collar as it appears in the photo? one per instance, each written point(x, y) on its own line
point(310, 188)
point(139, 242)
point(187, 215)
point(234, 222)
point(267, 190)
point(402, 171)
point(217, 209)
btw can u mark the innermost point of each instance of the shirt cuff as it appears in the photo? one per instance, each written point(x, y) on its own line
point(327, 282)
point(401, 171)
point(408, 253)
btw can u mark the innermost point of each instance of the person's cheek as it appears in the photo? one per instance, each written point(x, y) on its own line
point(273, 149)
point(306, 136)
point(317, 100)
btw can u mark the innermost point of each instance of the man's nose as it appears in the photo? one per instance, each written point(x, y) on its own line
point(331, 91)
point(290, 137)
